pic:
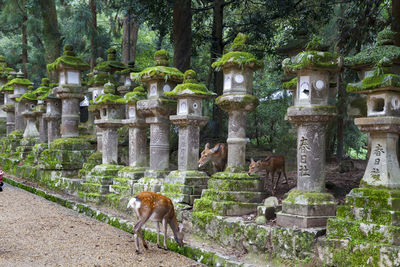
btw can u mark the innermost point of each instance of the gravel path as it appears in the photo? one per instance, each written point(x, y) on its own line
point(36, 232)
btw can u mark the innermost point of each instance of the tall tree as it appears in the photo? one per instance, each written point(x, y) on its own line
point(51, 35)
point(396, 20)
point(130, 35)
point(93, 33)
point(182, 33)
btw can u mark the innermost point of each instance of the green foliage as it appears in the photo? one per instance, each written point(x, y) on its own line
point(109, 99)
point(311, 59)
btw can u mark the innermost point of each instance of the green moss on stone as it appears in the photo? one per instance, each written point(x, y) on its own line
point(108, 99)
point(19, 81)
point(311, 59)
point(375, 82)
point(68, 59)
point(159, 72)
point(241, 59)
point(69, 144)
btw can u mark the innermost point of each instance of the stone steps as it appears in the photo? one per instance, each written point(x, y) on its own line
point(371, 215)
point(238, 196)
point(224, 208)
point(363, 231)
point(238, 185)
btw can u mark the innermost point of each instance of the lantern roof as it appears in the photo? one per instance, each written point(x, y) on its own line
point(68, 59)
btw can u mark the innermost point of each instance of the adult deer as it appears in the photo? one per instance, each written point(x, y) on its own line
point(218, 156)
point(158, 208)
point(270, 164)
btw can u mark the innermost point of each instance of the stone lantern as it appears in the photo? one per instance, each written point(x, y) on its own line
point(370, 216)
point(309, 205)
point(31, 134)
point(41, 93)
point(104, 72)
point(111, 115)
point(157, 108)
point(53, 117)
point(20, 86)
point(9, 106)
point(179, 185)
point(4, 73)
point(111, 111)
point(29, 102)
point(234, 192)
point(69, 90)
point(138, 150)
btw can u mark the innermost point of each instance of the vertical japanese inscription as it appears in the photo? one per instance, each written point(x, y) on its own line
point(375, 171)
point(304, 147)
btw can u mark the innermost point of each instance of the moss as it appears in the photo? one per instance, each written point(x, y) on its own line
point(102, 78)
point(311, 59)
point(239, 43)
point(109, 99)
point(310, 197)
point(375, 82)
point(290, 85)
point(137, 94)
point(159, 72)
point(110, 66)
point(190, 89)
point(227, 103)
point(28, 96)
point(19, 81)
point(68, 61)
point(241, 59)
point(69, 144)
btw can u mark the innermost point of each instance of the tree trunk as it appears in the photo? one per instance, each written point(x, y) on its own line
point(93, 35)
point(24, 46)
point(182, 34)
point(51, 35)
point(396, 20)
point(217, 48)
point(130, 36)
point(341, 108)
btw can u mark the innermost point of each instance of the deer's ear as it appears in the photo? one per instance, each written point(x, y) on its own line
point(251, 160)
point(180, 227)
point(216, 148)
point(207, 146)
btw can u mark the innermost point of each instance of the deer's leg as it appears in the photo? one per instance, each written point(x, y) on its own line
point(165, 225)
point(277, 180)
point(284, 175)
point(138, 231)
point(143, 241)
point(158, 235)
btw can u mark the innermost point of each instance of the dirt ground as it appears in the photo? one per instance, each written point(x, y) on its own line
point(36, 232)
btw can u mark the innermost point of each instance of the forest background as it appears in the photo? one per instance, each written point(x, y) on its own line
point(197, 33)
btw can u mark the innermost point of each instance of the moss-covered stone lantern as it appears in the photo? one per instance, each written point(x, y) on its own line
point(4, 73)
point(157, 108)
point(20, 86)
point(8, 106)
point(53, 117)
point(179, 184)
point(111, 109)
point(111, 115)
point(370, 216)
point(29, 102)
point(230, 196)
point(309, 205)
point(69, 69)
point(41, 93)
point(138, 149)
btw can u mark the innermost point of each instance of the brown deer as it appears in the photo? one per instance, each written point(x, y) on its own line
point(158, 208)
point(270, 164)
point(218, 156)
